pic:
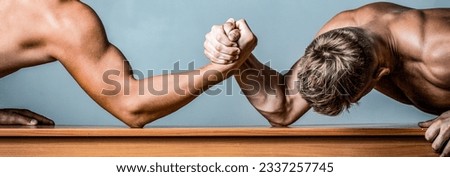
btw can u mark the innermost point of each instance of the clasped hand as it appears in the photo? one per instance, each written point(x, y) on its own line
point(230, 43)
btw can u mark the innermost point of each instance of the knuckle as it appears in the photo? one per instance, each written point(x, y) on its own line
point(218, 47)
point(216, 54)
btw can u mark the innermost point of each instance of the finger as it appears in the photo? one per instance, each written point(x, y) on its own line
point(427, 123)
point(220, 51)
point(231, 31)
point(229, 25)
point(441, 139)
point(41, 119)
point(216, 60)
point(12, 118)
point(217, 46)
point(234, 35)
point(446, 151)
point(432, 132)
point(243, 26)
point(221, 62)
point(218, 33)
point(213, 45)
point(246, 31)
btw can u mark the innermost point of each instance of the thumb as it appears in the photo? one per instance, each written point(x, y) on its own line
point(230, 30)
point(234, 35)
point(426, 124)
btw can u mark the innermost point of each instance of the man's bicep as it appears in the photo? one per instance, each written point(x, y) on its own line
point(99, 72)
point(87, 55)
point(81, 45)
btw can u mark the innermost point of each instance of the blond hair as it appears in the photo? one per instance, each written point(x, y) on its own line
point(334, 70)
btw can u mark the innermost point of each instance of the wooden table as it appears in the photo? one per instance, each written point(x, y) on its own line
point(70, 141)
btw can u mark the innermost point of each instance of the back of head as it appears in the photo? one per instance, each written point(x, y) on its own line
point(334, 70)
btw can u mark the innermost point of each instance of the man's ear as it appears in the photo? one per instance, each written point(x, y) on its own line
point(383, 71)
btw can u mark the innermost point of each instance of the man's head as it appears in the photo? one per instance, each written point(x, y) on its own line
point(338, 68)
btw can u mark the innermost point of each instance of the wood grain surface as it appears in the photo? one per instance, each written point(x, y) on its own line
point(82, 141)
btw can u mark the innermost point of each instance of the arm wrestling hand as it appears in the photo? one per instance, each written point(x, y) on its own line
point(439, 133)
point(227, 43)
point(221, 43)
point(22, 117)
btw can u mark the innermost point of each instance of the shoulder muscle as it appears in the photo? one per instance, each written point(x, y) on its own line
point(79, 30)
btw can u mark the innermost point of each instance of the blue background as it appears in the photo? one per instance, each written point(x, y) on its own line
point(155, 34)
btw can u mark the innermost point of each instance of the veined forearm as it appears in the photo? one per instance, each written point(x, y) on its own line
point(263, 87)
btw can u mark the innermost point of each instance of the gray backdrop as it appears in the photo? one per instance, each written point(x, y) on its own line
point(155, 34)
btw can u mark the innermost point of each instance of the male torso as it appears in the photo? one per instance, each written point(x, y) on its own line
point(419, 41)
point(423, 69)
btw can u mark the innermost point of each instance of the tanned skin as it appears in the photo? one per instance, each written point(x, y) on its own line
point(412, 61)
point(34, 32)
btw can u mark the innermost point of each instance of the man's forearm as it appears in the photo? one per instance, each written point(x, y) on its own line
point(158, 96)
point(258, 81)
point(264, 88)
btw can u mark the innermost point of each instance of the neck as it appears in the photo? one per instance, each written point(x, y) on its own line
point(384, 48)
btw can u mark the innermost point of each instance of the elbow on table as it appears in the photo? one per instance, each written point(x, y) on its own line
point(279, 118)
point(135, 120)
point(280, 122)
point(136, 117)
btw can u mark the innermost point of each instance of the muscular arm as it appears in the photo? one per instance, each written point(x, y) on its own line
point(80, 44)
point(274, 95)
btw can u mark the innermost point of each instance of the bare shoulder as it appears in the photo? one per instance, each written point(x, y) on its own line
point(382, 7)
point(361, 15)
point(423, 36)
point(423, 33)
point(79, 27)
point(35, 31)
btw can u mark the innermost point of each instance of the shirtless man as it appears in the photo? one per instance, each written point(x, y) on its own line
point(35, 32)
point(402, 52)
